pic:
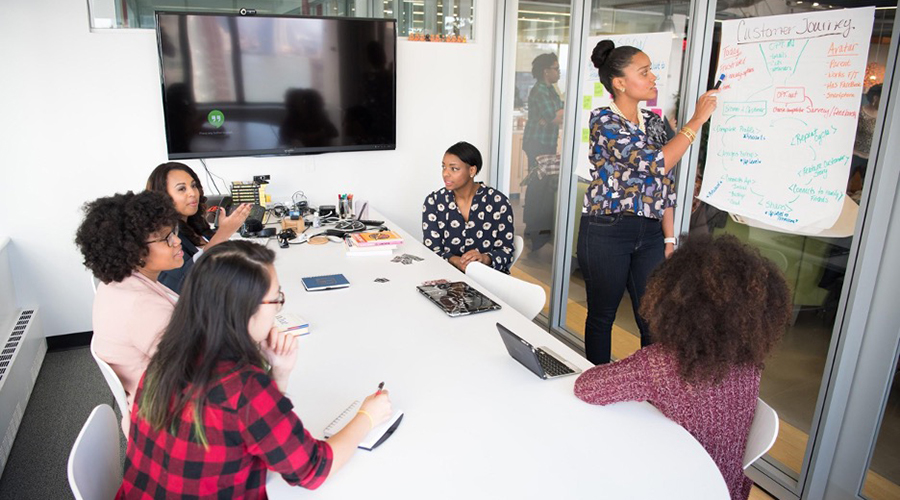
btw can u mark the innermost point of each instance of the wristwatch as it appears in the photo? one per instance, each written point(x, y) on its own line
point(673, 240)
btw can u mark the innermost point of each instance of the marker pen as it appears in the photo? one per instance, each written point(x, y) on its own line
point(719, 81)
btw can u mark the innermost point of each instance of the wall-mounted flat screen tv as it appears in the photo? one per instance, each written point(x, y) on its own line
point(276, 85)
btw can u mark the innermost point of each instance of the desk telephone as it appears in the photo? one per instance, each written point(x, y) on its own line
point(253, 226)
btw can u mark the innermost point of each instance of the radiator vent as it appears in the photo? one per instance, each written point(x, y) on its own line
point(21, 357)
point(15, 339)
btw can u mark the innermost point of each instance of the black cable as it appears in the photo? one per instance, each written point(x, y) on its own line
point(210, 175)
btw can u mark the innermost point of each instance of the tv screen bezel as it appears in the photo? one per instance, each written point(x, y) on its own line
point(293, 151)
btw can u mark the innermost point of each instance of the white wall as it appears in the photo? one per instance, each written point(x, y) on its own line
point(82, 118)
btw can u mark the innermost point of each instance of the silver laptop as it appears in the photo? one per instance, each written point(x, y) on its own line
point(541, 360)
point(457, 298)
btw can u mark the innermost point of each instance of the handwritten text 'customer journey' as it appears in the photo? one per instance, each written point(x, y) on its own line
point(782, 136)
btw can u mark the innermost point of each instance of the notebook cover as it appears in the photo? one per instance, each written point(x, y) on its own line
point(325, 282)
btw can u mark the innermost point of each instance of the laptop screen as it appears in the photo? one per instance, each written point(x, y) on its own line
point(521, 350)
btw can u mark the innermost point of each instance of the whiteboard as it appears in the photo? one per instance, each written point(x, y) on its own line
point(781, 138)
point(658, 47)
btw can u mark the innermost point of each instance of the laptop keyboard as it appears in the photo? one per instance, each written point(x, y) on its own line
point(552, 366)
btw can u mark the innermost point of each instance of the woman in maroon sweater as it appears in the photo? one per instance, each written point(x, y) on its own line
point(716, 308)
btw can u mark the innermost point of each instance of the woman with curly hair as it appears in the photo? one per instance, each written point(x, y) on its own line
point(127, 240)
point(180, 183)
point(716, 309)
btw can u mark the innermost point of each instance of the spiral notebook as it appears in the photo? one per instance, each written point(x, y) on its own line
point(375, 437)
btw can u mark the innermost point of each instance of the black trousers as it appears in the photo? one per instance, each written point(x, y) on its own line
point(615, 253)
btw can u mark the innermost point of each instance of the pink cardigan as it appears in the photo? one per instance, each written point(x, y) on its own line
point(718, 416)
point(129, 317)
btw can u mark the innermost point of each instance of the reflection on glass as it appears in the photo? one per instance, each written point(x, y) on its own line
point(430, 17)
point(142, 13)
point(540, 76)
point(814, 266)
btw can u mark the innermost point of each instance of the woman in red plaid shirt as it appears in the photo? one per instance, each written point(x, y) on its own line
point(210, 416)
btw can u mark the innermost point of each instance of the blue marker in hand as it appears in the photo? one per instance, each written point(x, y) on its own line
point(719, 81)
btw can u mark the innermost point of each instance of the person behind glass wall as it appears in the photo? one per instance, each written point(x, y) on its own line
point(211, 415)
point(865, 128)
point(466, 221)
point(716, 308)
point(179, 182)
point(127, 241)
point(541, 137)
point(627, 225)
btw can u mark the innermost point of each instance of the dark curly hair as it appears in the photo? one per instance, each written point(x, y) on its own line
point(113, 236)
point(196, 226)
point(716, 303)
point(542, 63)
point(611, 61)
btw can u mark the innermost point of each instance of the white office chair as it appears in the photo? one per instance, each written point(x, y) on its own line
point(95, 282)
point(525, 297)
point(518, 246)
point(115, 385)
point(95, 471)
point(763, 432)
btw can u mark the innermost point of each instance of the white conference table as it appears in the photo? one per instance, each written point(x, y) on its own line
point(477, 424)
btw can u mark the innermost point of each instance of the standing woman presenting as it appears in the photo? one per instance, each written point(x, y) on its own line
point(627, 221)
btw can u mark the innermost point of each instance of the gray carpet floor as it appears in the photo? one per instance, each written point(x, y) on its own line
point(68, 387)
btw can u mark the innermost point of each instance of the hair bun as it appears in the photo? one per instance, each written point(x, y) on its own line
point(601, 52)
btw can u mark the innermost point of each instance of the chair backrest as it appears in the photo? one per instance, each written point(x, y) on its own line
point(525, 297)
point(763, 432)
point(95, 470)
point(94, 283)
point(518, 246)
point(115, 385)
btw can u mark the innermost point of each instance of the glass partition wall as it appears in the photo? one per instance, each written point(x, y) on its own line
point(540, 55)
point(547, 188)
point(815, 266)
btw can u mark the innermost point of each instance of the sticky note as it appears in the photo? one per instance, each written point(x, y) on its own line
point(599, 91)
point(585, 135)
point(588, 102)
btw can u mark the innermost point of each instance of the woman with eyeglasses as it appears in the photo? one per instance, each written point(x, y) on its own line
point(180, 183)
point(211, 417)
point(127, 240)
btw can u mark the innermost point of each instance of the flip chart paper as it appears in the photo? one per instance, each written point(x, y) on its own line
point(781, 138)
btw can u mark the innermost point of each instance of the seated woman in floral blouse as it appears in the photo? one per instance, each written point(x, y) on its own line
point(466, 221)
point(716, 309)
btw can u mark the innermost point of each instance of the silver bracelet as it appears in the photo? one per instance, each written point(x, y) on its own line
point(673, 240)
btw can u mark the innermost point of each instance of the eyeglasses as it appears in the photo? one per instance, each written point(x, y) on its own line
point(279, 300)
point(171, 239)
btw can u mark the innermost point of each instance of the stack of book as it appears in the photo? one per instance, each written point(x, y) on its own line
point(291, 323)
point(372, 243)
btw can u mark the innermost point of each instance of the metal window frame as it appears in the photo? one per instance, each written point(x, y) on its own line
point(866, 348)
point(835, 462)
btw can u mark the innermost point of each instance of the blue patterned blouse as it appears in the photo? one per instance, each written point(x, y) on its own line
point(489, 229)
point(629, 173)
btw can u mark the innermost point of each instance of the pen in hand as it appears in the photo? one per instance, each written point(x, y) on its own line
point(719, 82)
point(380, 387)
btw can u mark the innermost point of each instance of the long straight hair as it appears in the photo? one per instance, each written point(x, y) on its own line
point(196, 227)
point(209, 325)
